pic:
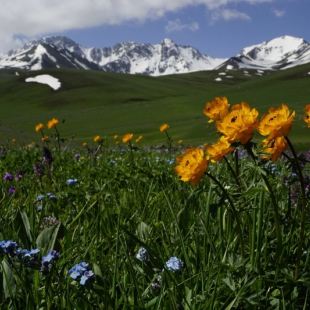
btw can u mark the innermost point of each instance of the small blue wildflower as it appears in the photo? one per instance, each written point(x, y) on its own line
point(29, 257)
point(87, 276)
point(40, 197)
point(142, 254)
point(72, 182)
point(8, 177)
point(20, 253)
point(82, 266)
point(31, 253)
point(82, 273)
point(48, 260)
point(39, 208)
point(174, 264)
point(76, 156)
point(8, 246)
point(51, 196)
point(83, 279)
point(75, 274)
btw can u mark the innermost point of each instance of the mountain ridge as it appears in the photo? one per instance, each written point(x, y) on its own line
point(164, 58)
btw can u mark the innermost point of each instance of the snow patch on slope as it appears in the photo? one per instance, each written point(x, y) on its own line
point(45, 79)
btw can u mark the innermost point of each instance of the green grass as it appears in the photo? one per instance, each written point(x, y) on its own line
point(106, 104)
point(121, 203)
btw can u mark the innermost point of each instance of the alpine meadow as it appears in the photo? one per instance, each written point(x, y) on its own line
point(186, 191)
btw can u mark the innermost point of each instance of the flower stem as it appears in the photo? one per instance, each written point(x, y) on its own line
point(275, 209)
point(233, 209)
point(304, 207)
point(235, 174)
point(169, 140)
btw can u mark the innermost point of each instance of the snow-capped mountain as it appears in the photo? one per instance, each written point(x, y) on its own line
point(129, 57)
point(279, 53)
point(159, 59)
point(37, 55)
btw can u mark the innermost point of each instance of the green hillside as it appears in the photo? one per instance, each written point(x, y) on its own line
point(105, 104)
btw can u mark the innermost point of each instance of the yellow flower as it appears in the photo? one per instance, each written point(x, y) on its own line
point(13, 140)
point(239, 124)
point(192, 165)
point(84, 144)
point(217, 109)
point(116, 142)
point(163, 127)
point(96, 138)
point(180, 141)
point(44, 138)
point(138, 139)
point(218, 150)
point(307, 118)
point(39, 127)
point(274, 147)
point(115, 137)
point(52, 123)
point(127, 137)
point(277, 123)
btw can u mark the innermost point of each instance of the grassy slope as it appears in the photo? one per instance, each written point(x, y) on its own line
point(106, 104)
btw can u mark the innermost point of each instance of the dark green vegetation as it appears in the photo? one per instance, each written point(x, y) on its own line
point(119, 204)
point(105, 104)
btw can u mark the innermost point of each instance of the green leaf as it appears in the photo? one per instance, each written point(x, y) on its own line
point(22, 227)
point(230, 283)
point(49, 238)
point(9, 284)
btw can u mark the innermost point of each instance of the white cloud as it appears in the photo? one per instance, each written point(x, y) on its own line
point(9, 41)
point(176, 25)
point(227, 15)
point(39, 17)
point(278, 13)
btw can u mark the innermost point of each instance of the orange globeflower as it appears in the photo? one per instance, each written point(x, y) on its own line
point(277, 123)
point(163, 127)
point(307, 118)
point(138, 139)
point(115, 137)
point(44, 138)
point(217, 109)
point(218, 150)
point(84, 144)
point(192, 165)
point(52, 123)
point(127, 137)
point(239, 124)
point(39, 127)
point(274, 147)
point(96, 138)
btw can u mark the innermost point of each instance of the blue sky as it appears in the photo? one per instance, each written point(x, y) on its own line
point(219, 28)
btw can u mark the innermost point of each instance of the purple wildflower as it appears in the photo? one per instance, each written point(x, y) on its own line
point(11, 190)
point(38, 169)
point(19, 175)
point(8, 177)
